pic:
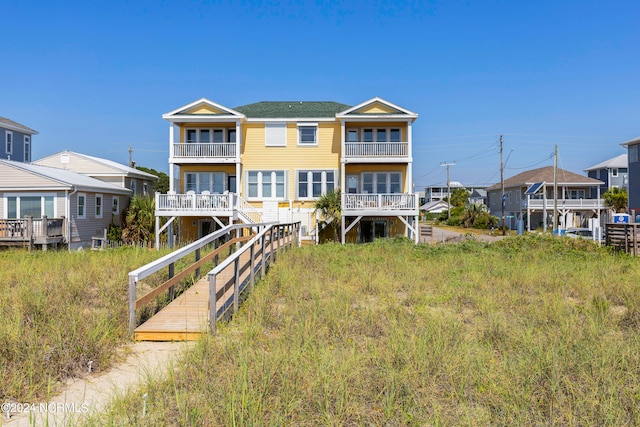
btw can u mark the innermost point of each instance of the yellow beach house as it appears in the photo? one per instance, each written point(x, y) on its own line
point(270, 161)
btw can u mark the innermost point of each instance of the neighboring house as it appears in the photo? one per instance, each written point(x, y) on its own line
point(529, 197)
point(15, 141)
point(137, 181)
point(435, 207)
point(271, 161)
point(633, 150)
point(83, 204)
point(614, 173)
point(441, 191)
point(477, 193)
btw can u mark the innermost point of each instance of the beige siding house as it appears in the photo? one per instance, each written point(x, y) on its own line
point(140, 183)
point(81, 206)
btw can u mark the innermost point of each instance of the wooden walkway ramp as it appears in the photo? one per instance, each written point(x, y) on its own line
point(188, 316)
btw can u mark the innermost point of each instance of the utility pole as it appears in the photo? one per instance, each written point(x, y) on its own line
point(448, 187)
point(555, 191)
point(130, 157)
point(503, 199)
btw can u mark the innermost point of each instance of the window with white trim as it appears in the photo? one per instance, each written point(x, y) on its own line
point(34, 205)
point(115, 205)
point(307, 134)
point(98, 205)
point(265, 184)
point(381, 182)
point(198, 182)
point(208, 135)
point(314, 183)
point(82, 206)
point(614, 172)
point(145, 188)
point(375, 135)
point(275, 134)
point(134, 187)
point(9, 142)
point(27, 148)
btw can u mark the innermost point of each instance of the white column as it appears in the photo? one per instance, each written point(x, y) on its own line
point(342, 168)
point(238, 157)
point(409, 179)
point(171, 129)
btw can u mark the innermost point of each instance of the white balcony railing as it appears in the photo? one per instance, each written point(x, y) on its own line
point(194, 202)
point(380, 202)
point(376, 149)
point(204, 150)
point(564, 203)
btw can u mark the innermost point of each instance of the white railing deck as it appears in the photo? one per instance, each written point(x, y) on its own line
point(223, 150)
point(194, 202)
point(385, 203)
point(376, 149)
point(564, 203)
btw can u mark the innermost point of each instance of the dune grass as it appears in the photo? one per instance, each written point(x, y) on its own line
point(60, 310)
point(527, 331)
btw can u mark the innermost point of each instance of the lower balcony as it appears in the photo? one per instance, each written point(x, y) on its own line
point(192, 204)
point(380, 204)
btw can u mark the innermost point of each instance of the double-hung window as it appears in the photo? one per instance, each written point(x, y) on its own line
point(27, 148)
point(9, 142)
point(265, 184)
point(98, 205)
point(308, 134)
point(82, 206)
point(314, 183)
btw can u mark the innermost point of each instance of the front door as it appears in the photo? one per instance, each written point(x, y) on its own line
point(372, 229)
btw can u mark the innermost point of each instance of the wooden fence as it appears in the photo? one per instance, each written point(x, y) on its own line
point(624, 237)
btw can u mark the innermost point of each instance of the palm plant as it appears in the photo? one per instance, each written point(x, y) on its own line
point(139, 220)
point(616, 199)
point(329, 205)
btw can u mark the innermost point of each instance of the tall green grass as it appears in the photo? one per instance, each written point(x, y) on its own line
point(59, 311)
point(527, 331)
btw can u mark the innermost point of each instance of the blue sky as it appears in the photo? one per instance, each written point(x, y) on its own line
point(96, 77)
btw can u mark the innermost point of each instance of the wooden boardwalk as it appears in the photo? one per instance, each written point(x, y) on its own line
point(187, 317)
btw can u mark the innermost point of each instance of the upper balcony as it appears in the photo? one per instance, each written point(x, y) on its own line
point(199, 152)
point(380, 204)
point(376, 152)
point(571, 204)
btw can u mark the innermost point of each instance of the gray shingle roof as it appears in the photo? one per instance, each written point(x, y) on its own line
point(291, 109)
point(17, 126)
point(545, 174)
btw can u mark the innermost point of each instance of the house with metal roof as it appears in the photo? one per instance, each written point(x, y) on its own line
point(530, 197)
point(15, 140)
point(614, 173)
point(41, 205)
point(271, 161)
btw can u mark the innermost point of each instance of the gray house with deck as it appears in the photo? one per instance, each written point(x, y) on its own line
point(41, 205)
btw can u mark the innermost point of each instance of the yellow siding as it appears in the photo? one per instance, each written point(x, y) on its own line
point(376, 108)
point(395, 227)
point(325, 155)
point(204, 109)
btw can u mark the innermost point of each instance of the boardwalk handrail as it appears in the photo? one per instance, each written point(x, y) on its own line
point(169, 260)
point(286, 233)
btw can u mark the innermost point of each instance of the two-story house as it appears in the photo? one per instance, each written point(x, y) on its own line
point(271, 161)
point(15, 141)
point(614, 173)
point(529, 196)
